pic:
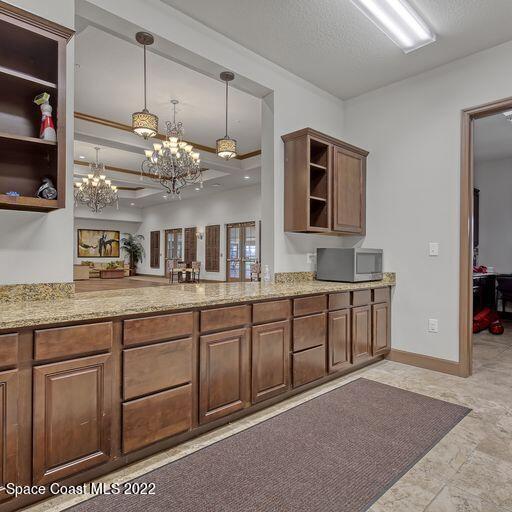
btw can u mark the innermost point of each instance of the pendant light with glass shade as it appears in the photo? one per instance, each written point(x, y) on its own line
point(226, 147)
point(144, 123)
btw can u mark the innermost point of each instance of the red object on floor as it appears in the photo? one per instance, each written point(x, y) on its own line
point(496, 327)
point(483, 319)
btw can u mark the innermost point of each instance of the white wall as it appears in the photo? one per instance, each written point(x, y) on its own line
point(494, 179)
point(102, 224)
point(296, 104)
point(36, 247)
point(412, 130)
point(239, 205)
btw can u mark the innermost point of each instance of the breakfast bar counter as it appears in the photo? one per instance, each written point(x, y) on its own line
point(107, 304)
point(95, 382)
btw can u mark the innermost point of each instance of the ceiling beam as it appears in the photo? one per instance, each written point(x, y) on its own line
point(127, 128)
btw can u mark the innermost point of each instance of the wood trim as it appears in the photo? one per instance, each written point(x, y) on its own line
point(36, 21)
point(428, 362)
point(466, 228)
point(127, 128)
point(325, 138)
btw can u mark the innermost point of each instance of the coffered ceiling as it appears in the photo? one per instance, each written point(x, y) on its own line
point(331, 44)
point(109, 87)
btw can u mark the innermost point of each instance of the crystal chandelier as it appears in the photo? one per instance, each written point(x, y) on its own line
point(95, 191)
point(173, 162)
point(144, 123)
point(226, 147)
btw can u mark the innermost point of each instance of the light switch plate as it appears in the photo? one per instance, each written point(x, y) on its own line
point(311, 257)
point(433, 325)
point(433, 248)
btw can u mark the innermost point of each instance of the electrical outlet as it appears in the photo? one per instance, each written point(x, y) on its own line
point(433, 248)
point(433, 325)
point(311, 258)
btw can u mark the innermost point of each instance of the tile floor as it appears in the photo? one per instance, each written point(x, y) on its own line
point(470, 470)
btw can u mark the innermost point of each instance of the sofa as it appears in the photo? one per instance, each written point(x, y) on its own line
point(94, 267)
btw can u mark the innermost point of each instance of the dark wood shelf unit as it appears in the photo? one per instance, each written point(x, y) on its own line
point(32, 61)
point(325, 184)
point(34, 204)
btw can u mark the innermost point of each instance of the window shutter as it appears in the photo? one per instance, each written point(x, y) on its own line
point(212, 248)
point(190, 245)
point(154, 249)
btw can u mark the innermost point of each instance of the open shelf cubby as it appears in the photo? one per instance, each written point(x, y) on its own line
point(32, 61)
point(318, 213)
point(318, 184)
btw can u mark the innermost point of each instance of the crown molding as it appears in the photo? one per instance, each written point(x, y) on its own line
point(127, 128)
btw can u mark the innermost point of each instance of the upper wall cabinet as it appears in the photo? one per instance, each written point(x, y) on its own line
point(32, 62)
point(325, 185)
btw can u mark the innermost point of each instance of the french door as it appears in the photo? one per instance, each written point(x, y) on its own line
point(173, 246)
point(241, 251)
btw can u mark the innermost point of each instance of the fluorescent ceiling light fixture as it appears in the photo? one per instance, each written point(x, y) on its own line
point(399, 21)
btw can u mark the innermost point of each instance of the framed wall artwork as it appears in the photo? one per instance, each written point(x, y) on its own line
point(94, 243)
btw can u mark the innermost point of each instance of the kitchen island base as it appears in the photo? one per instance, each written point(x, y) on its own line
point(83, 400)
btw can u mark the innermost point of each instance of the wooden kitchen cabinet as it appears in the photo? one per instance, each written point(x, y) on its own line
point(348, 191)
point(339, 340)
point(224, 374)
point(361, 334)
point(8, 430)
point(325, 184)
point(270, 360)
point(381, 340)
point(72, 417)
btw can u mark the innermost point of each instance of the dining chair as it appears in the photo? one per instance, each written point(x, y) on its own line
point(196, 271)
point(255, 271)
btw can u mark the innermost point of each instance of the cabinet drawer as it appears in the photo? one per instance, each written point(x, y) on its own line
point(309, 305)
point(8, 350)
point(150, 419)
point(225, 318)
point(153, 368)
point(339, 300)
point(157, 328)
point(308, 366)
point(381, 295)
point(270, 311)
point(72, 341)
point(309, 331)
point(361, 297)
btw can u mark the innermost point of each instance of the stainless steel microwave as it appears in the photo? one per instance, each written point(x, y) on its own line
point(349, 265)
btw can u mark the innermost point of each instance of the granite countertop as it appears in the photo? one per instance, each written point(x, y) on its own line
point(114, 303)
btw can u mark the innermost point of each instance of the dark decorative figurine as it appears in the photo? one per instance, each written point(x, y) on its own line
point(47, 190)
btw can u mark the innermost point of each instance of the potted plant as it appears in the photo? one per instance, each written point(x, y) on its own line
point(132, 245)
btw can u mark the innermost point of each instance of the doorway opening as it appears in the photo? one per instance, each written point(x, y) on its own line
point(478, 281)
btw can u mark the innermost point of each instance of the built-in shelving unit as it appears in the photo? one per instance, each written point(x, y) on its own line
point(318, 185)
point(32, 61)
point(325, 184)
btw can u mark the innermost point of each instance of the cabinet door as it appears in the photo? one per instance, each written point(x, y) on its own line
point(72, 416)
point(8, 429)
point(349, 192)
point(339, 340)
point(361, 334)
point(224, 385)
point(380, 329)
point(270, 360)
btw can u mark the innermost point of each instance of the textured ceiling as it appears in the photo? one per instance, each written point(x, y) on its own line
point(332, 44)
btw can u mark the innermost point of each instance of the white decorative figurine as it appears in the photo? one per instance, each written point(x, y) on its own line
point(47, 131)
